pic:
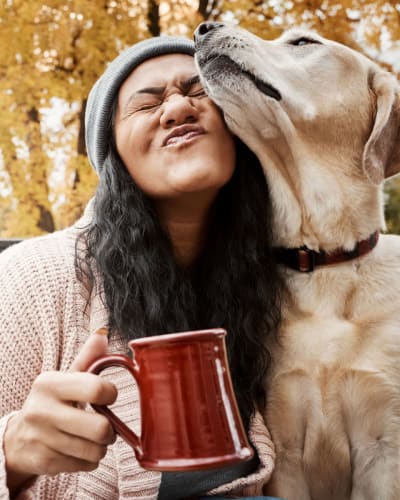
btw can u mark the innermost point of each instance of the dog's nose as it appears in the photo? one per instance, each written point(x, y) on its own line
point(206, 27)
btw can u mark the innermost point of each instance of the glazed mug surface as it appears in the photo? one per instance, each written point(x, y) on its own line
point(189, 414)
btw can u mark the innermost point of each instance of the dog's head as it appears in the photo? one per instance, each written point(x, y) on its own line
point(302, 89)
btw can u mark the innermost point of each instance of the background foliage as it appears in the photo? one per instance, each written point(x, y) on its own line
point(52, 52)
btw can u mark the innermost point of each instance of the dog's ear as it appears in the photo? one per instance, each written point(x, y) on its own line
point(381, 158)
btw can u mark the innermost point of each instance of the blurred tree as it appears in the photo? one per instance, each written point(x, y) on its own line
point(58, 48)
point(392, 212)
point(348, 21)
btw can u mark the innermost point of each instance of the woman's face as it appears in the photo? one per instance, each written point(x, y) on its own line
point(169, 134)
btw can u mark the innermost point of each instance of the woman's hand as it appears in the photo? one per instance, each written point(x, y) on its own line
point(51, 434)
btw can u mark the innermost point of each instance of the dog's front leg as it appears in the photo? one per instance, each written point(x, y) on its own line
point(371, 409)
point(287, 399)
point(288, 480)
point(378, 479)
point(312, 450)
point(376, 470)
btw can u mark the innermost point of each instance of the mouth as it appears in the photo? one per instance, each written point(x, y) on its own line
point(224, 64)
point(182, 134)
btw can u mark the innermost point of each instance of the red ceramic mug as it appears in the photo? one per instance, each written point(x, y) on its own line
point(189, 415)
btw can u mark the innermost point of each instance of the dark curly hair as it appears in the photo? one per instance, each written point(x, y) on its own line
point(235, 283)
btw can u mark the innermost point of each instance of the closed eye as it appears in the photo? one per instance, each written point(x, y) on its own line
point(198, 93)
point(134, 108)
point(145, 107)
point(193, 88)
point(303, 40)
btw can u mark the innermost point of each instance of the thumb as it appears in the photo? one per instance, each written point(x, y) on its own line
point(94, 347)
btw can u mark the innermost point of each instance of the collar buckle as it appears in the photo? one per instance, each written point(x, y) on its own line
point(306, 260)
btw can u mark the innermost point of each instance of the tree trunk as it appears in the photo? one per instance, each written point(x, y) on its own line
point(207, 9)
point(81, 145)
point(153, 18)
point(38, 160)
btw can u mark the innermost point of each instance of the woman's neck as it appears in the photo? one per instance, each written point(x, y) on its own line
point(187, 226)
point(188, 240)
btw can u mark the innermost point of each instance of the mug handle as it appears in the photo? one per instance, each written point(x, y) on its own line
point(119, 360)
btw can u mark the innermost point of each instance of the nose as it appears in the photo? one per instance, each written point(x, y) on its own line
point(204, 28)
point(177, 110)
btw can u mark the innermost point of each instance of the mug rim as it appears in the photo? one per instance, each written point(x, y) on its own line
point(179, 336)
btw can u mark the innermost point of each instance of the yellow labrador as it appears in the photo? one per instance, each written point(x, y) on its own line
point(325, 122)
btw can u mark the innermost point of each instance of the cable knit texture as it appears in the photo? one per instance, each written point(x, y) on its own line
point(43, 322)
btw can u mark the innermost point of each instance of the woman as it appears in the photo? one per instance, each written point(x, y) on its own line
point(176, 238)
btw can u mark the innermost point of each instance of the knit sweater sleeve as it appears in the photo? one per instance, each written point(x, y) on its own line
point(33, 316)
point(253, 484)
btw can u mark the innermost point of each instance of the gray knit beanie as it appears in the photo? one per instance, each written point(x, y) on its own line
point(105, 90)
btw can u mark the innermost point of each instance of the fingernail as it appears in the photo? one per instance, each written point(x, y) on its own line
point(102, 331)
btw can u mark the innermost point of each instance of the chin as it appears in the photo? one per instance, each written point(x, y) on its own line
point(207, 183)
point(202, 174)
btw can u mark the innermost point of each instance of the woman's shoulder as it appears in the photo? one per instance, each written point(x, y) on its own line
point(50, 256)
point(39, 254)
point(41, 269)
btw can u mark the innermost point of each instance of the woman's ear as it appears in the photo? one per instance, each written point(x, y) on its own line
point(381, 158)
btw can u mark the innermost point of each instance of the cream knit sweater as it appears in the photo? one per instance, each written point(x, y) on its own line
point(43, 323)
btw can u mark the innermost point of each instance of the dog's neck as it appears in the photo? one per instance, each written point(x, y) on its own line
point(318, 205)
point(306, 260)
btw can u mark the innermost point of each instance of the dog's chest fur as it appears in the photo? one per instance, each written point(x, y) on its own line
point(333, 393)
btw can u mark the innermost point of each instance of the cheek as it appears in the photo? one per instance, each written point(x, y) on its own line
point(227, 146)
point(122, 142)
point(225, 137)
point(132, 142)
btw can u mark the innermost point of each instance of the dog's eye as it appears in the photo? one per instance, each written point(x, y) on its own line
point(303, 41)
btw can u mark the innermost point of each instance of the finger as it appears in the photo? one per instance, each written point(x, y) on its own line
point(70, 464)
point(91, 426)
point(43, 460)
point(94, 347)
point(76, 447)
point(73, 387)
point(38, 427)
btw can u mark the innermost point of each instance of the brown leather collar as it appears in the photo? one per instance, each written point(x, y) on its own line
point(305, 260)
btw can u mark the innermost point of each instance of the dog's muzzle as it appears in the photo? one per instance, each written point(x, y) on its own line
point(223, 64)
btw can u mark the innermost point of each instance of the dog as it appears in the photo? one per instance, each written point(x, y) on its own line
point(324, 121)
